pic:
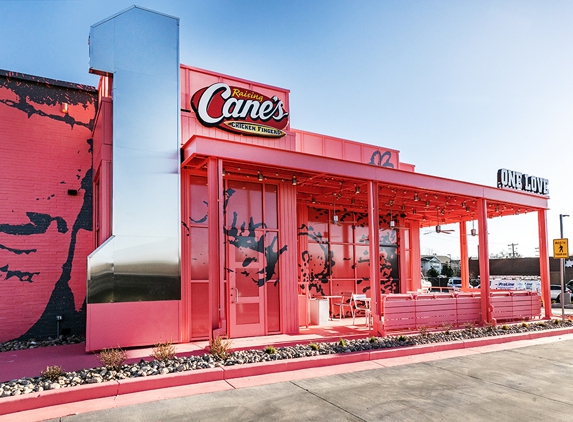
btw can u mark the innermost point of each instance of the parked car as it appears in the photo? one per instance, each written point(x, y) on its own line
point(556, 292)
point(455, 282)
point(426, 285)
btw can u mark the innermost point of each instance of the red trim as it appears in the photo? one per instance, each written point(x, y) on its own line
point(273, 157)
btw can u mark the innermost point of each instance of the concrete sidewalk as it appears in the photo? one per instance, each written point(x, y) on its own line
point(518, 381)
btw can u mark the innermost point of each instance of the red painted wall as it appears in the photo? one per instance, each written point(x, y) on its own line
point(44, 231)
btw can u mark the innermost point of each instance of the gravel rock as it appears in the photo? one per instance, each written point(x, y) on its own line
point(156, 368)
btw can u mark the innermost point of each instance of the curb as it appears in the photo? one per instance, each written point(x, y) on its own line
point(134, 385)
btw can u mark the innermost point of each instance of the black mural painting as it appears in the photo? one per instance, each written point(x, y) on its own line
point(317, 277)
point(62, 299)
point(30, 91)
point(243, 235)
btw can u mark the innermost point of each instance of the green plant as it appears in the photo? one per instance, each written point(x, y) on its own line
point(524, 324)
point(220, 347)
point(342, 342)
point(540, 324)
point(270, 350)
point(469, 326)
point(423, 330)
point(313, 346)
point(447, 329)
point(556, 321)
point(401, 338)
point(505, 327)
point(163, 351)
point(373, 339)
point(112, 358)
point(52, 373)
point(432, 272)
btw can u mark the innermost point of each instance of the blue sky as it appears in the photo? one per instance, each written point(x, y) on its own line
point(462, 89)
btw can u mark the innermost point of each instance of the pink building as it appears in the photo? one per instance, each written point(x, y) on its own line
point(212, 216)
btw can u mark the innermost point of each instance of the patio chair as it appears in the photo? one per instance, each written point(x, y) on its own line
point(360, 303)
point(344, 302)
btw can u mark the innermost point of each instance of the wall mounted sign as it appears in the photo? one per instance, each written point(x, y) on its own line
point(521, 181)
point(240, 110)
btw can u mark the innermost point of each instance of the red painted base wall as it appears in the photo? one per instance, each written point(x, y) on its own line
point(131, 324)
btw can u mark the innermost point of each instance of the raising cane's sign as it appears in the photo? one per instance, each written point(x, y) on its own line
point(240, 110)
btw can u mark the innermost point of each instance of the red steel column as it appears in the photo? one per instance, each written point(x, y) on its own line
point(544, 262)
point(484, 261)
point(216, 286)
point(374, 250)
point(464, 264)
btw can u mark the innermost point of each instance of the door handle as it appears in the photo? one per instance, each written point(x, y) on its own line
point(236, 294)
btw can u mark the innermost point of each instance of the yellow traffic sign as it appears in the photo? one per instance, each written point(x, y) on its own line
point(560, 248)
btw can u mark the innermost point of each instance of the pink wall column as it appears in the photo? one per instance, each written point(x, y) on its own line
point(544, 262)
point(483, 261)
point(374, 236)
point(288, 261)
point(464, 264)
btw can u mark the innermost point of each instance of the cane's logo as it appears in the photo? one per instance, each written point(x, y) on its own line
point(240, 110)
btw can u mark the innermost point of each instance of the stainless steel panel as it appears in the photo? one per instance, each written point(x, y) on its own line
point(140, 49)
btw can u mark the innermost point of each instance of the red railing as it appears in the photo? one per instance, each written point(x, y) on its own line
point(515, 305)
point(402, 312)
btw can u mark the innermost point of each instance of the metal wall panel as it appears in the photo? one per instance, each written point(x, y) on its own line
point(139, 48)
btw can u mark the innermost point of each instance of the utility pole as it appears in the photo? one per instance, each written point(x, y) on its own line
point(562, 269)
point(513, 245)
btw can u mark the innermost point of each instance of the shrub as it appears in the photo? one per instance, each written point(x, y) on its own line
point(313, 346)
point(469, 326)
point(163, 351)
point(556, 321)
point(342, 342)
point(52, 373)
point(540, 324)
point(524, 324)
point(112, 358)
point(220, 347)
point(505, 327)
point(447, 329)
point(423, 330)
point(401, 338)
point(373, 339)
point(270, 350)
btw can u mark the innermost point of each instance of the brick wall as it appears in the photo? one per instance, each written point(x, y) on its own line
point(45, 205)
point(522, 266)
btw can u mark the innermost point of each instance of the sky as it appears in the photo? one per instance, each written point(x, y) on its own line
point(461, 89)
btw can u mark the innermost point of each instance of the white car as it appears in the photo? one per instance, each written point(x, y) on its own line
point(426, 286)
point(455, 282)
point(556, 292)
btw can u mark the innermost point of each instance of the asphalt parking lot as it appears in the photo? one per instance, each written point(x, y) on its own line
point(507, 383)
